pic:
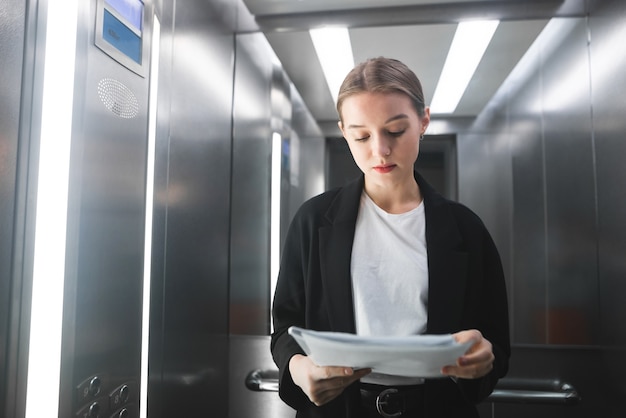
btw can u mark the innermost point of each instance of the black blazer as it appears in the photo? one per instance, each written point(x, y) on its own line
point(466, 290)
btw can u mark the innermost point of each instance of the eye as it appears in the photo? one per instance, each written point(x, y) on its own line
point(362, 139)
point(396, 133)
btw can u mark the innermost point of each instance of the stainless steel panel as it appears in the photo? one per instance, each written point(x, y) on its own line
point(306, 169)
point(104, 273)
point(576, 366)
point(572, 292)
point(607, 28)
point(12, 34)
point(528, 287)
point(194, 346)
point(607, 57)
point(566, 134)
point(484, 167)
point(251, 176)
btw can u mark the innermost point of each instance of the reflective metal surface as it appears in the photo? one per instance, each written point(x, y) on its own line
point(251, 179)
point(192, 205)
point(563, 199)
point(104, 267)
point(608, 28)
point(12, 34)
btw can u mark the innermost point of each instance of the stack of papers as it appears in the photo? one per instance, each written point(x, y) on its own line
point(408, 356)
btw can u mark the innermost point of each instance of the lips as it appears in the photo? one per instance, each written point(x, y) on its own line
point(387, 168)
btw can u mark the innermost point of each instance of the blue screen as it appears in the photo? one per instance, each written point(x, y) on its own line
point(120, 36)
point(131, 10)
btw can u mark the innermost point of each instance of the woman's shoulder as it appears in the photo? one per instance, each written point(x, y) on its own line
point(338, 201)
point(463, 212)
point(319, 204)
point(462, 215)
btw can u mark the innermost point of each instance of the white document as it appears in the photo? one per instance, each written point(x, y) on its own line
point(409, 356)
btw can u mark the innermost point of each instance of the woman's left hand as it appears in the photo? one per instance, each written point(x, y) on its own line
point(476, 362)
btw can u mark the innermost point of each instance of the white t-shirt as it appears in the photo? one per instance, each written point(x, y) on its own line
point(389, 269)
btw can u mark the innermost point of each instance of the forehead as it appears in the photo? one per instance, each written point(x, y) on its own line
point(369, 107)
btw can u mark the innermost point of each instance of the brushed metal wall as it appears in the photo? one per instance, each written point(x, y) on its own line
point(607, 57)
point(251, 184)
point(105, 238)
point(12, 34)
point(542, 167)
point(189, 314)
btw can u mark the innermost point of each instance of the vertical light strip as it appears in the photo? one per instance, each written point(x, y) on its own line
point(334, 52)
point(468, 46)
point(147, 254)
point(46, 321)
point(275, 213)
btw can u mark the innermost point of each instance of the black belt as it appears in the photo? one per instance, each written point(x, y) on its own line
point(393, 401)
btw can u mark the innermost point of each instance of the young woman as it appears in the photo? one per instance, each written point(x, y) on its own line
point(387, 255)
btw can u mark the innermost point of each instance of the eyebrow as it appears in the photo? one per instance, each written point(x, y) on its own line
point(391, 119)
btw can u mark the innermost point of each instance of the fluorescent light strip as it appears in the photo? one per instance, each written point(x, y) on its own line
point(334, 52)
point(46, 321)
point(468, 46)
point(275, 213)
point(147, 254)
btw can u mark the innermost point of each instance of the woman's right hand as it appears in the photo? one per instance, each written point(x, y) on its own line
point(322, 384)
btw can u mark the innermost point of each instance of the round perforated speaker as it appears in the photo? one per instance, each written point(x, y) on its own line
point(118, 98)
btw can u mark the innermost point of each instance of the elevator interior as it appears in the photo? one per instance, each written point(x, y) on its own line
point(176, 137)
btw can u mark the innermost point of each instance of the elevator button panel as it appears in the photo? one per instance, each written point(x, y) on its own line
point(100, 396)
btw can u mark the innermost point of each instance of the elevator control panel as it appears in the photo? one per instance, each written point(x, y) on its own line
point(98, 397)
point(120, 32)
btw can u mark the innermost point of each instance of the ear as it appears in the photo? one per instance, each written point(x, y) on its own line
point(426, 118)
point(340, 124)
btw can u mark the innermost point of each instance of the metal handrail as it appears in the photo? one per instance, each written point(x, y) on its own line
point(508, 390)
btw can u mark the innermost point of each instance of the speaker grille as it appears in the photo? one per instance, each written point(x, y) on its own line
point(118, 98)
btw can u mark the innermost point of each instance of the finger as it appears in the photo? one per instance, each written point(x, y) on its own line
point(349, 377)
point(471, 372)
point(470, 368)
point(331, 372)
point(329, 389)
point(472, 335)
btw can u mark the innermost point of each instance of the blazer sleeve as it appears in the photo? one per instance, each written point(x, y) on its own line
point(289, 310)
point(492, 318)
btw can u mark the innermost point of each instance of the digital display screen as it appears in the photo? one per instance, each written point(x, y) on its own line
point(121, 37)
point(131, 10)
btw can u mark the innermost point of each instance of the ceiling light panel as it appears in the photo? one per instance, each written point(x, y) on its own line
point(470, 41)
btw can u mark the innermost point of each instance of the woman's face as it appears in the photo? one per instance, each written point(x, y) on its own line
point(383, 132)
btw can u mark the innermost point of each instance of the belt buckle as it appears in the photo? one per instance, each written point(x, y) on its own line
point(382, 400)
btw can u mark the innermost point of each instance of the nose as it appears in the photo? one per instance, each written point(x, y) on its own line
point(381, 145)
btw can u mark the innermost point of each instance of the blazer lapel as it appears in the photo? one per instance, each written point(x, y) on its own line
point(447, 265)
point(335, 240)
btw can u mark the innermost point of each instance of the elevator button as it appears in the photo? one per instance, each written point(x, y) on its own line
point(93, 410)
point(128, 411)
point(95, 385)
point(122, 413)
point(122, 395)
point(89, 389)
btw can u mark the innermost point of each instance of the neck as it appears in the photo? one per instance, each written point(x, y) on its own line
point(399, 198)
